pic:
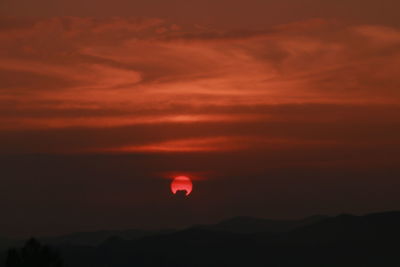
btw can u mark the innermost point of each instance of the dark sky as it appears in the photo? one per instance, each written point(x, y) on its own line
point(227, 13)
point(276, 109)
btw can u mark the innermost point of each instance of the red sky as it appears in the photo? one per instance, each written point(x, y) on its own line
point(292, 101)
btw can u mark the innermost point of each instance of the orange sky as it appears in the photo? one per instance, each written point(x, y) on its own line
point(239, 87)
point(84, 74)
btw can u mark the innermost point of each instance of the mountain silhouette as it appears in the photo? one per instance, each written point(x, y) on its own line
point(372, 227)
point(245, 224)
point(98, 237)
point(344, 240)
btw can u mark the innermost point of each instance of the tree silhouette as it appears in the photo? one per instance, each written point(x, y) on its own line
point(33, 254)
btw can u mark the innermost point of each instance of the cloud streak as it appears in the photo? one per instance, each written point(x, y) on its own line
point(187, 88)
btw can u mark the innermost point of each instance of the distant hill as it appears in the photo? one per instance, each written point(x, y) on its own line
point(97, 237)
point(345, 240)
point(234, 225)
point(247, 225)
point(372, 227)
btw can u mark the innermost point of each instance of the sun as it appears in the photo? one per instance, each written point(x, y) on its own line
point(182, 183)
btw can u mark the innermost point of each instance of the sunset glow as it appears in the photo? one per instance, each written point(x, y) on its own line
point(257, 80)
point(273, 109)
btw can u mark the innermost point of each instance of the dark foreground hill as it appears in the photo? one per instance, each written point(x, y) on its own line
point(345, 240)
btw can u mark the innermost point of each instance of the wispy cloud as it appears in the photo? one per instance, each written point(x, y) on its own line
point(152, 77)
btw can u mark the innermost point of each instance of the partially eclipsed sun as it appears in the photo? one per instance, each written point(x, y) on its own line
point(181, 183)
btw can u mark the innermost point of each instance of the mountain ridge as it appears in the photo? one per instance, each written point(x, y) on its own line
point(345, 240)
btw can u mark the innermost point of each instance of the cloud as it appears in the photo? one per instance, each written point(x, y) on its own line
point(275, 114)
point(87, 84)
